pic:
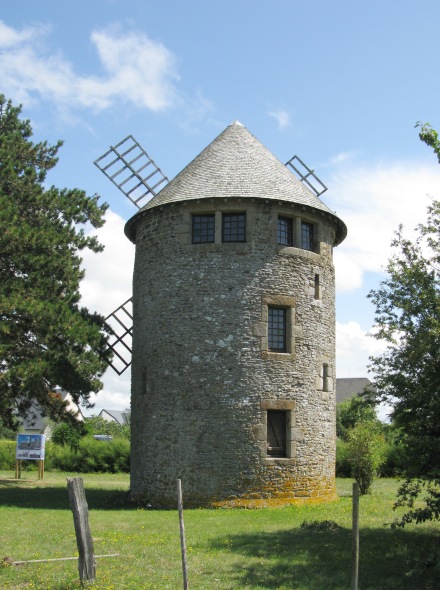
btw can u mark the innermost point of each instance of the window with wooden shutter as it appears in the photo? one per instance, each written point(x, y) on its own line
point(276, 433)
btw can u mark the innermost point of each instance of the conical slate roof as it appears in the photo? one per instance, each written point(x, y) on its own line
point(236, 164)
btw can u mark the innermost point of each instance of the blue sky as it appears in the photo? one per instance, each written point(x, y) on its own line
point(340, 83)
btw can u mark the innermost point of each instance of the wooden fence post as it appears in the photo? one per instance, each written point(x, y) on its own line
point(355, 543)
point(182, 535)
point(78, 504)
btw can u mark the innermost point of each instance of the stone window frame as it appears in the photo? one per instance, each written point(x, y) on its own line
point(289, 407)
point(325, 381)
point(289, 303)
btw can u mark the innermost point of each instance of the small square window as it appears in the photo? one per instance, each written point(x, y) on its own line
point(306, 235)
point(276, 433)
point(277, 329)
point(234, 227)
point(285, 231)
point(203, 229)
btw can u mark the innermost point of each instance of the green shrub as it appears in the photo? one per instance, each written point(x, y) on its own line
point(343, 465)
point(354, 410)
point(92, 456)
point(67, 434)
point(7, 454)
point(365, 448)
point(97, 425)
point(394, 461)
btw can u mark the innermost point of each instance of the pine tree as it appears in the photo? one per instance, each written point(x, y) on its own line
point(46, 338)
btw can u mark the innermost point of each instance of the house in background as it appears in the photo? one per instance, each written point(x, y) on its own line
point(118, 416)
point(36, 423)
point(349, 386)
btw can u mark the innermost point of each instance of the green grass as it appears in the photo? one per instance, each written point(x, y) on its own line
point(227, 549)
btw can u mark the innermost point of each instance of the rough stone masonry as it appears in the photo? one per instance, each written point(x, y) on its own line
point(233, 369)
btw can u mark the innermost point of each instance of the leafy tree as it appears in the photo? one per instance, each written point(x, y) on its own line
point(46, 338)
point(408, 372)
point(352, 411)
point(7, 433)
point(429, 136)
point(366, 452)
point(67, 434)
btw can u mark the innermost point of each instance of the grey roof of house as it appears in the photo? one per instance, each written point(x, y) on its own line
point(349, 386)
point(117, 415)
point(37, 423)
point(236, 164)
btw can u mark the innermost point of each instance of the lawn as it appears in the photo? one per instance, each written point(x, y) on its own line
point(227, 549)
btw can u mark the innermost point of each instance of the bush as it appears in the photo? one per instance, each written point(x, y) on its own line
point(366, 453)
point(7, 454)
point(343, 465)
point(394, 461)
point(354, 410)
point(97, 425)
point(67, 434)
point(92, 456)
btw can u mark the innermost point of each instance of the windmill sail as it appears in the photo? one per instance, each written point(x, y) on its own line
point(132, 170)
point(120, 325)
point(306, 175)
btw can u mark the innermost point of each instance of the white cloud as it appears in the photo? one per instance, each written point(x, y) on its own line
point(281, 116)
point(341, 158)
point(108, 280)
point(9, 37)
point(115, 394)
point(108, 284)
point(137, 70)
point(373, 202)
point(353, 349)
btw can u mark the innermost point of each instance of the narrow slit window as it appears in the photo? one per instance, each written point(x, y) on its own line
point(325, 377)
point(317, 287)
point(285, 231)
point(276, 433)
point(203, 229)
point(306, 235)
point(277, 329)
point(234, 227)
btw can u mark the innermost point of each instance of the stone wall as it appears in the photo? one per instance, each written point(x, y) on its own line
point(203, 377)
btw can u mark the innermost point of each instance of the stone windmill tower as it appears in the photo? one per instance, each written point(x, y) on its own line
point(233, 360)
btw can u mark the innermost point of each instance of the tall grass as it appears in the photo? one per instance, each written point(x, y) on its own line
point(234, 549)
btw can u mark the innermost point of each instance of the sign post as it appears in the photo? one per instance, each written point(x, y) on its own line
point(30, 447)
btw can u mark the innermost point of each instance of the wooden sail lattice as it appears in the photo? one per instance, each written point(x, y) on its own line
point(306, 175)
point(132, 170)
point(120, 325)
point(137, 176)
